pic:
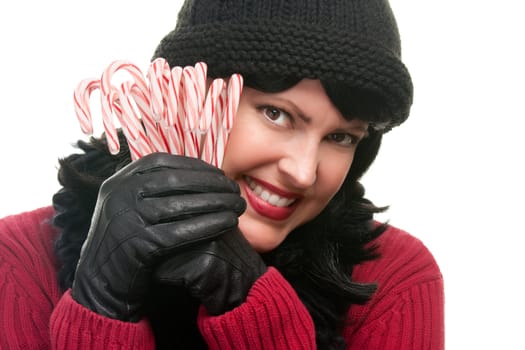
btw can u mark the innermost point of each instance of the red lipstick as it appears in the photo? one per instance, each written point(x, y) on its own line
point(266, 209)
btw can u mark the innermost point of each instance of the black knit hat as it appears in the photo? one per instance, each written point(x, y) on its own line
point(351, 41)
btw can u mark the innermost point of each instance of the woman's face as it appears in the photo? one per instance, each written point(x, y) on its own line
point(289, 152)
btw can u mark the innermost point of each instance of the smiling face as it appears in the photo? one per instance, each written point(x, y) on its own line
point(290, 153)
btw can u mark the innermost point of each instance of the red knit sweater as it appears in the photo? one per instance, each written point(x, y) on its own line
point(405, 313)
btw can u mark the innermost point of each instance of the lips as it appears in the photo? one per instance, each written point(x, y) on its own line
point(269, 201)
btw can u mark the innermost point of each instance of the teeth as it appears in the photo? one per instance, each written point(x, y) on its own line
point(274, 199)
point(281, 202)
point(264, 194)
point(257, 190)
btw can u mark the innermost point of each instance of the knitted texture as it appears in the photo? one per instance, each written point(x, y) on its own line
point(405, 314)
point(355, 42)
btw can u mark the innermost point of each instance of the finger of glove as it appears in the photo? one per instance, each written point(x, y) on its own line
point(211, 273)
point(159, 160)
point(166, 239)
point(172, 182)
point(238, 252)
point(178, 207)
point(201, 271)
point(198, 260)
point(230, 249)
point(226, 256)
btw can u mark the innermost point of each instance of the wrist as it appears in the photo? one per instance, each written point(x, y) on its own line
point(104, 304)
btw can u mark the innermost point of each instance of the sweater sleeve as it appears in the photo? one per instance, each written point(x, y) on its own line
point(273, 317)
point(35, 313)
point(28, 287)
point(73, 326)
point(406, 313)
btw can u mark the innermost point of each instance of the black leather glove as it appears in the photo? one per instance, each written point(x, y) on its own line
point(152, 209)
point(219, 273)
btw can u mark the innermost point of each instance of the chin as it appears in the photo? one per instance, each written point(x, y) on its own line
point(261, 242)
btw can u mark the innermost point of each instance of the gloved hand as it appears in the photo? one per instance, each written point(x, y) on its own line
point(151, 209)
point(219, 272)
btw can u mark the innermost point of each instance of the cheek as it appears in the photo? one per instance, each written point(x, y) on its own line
point(234, 159)
point(332, 173)
point(247, 145)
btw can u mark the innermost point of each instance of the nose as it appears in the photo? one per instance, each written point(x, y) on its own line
point(300, 164)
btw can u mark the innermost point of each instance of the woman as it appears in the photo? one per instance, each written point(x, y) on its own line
point(278, 250)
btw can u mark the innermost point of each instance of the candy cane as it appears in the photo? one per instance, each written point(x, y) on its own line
point(133, 145)
point(108, 102)
point(81, 102)
point(229, 102)
point(159, 74)
point(150, 125)
point(172, 121)
point(130, 120)
point(200, 72)
point(172, 113)
point(108, 95)
point(190, 98)
point(208, 123)
point(219, 131)
point(233, 96)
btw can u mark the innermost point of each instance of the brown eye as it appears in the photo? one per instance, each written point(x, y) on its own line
point(272, 113)
point(342, 139)
point(276, 115)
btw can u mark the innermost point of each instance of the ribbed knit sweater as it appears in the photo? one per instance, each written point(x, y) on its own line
point(405, 313)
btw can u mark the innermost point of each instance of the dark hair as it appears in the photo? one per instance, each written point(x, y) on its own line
point(318, 254)
point(324, 251)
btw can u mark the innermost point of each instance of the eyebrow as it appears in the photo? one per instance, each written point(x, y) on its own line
point(296, 109)
point(363, 130)
point(308, 119)
point(359, 128)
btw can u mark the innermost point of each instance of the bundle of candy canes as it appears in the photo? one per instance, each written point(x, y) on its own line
point(166, 110)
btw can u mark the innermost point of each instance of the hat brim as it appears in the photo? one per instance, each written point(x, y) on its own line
point(305, 52)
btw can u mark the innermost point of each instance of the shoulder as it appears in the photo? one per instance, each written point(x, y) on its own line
point(403, 261)
point(24, 227)
point(26, 239)
point(409, 297)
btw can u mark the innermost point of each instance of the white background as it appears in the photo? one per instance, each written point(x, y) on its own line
point(452, 174)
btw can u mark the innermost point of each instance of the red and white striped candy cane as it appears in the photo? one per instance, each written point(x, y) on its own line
point(201, 69)
point(220, 134)
point(235, 85)
point(159, 74)
point(81, 102)
point(190, 104)
point(163, 96)
point(208, 121)
point(130, 120)
point(109, 102)
point(152, 128)
point(141, 94)
point(108, 95)
point(175, 116)
point(191, 101)
point(172, 121)
point(170, 114)
point(133, 147)
point(230, 102)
